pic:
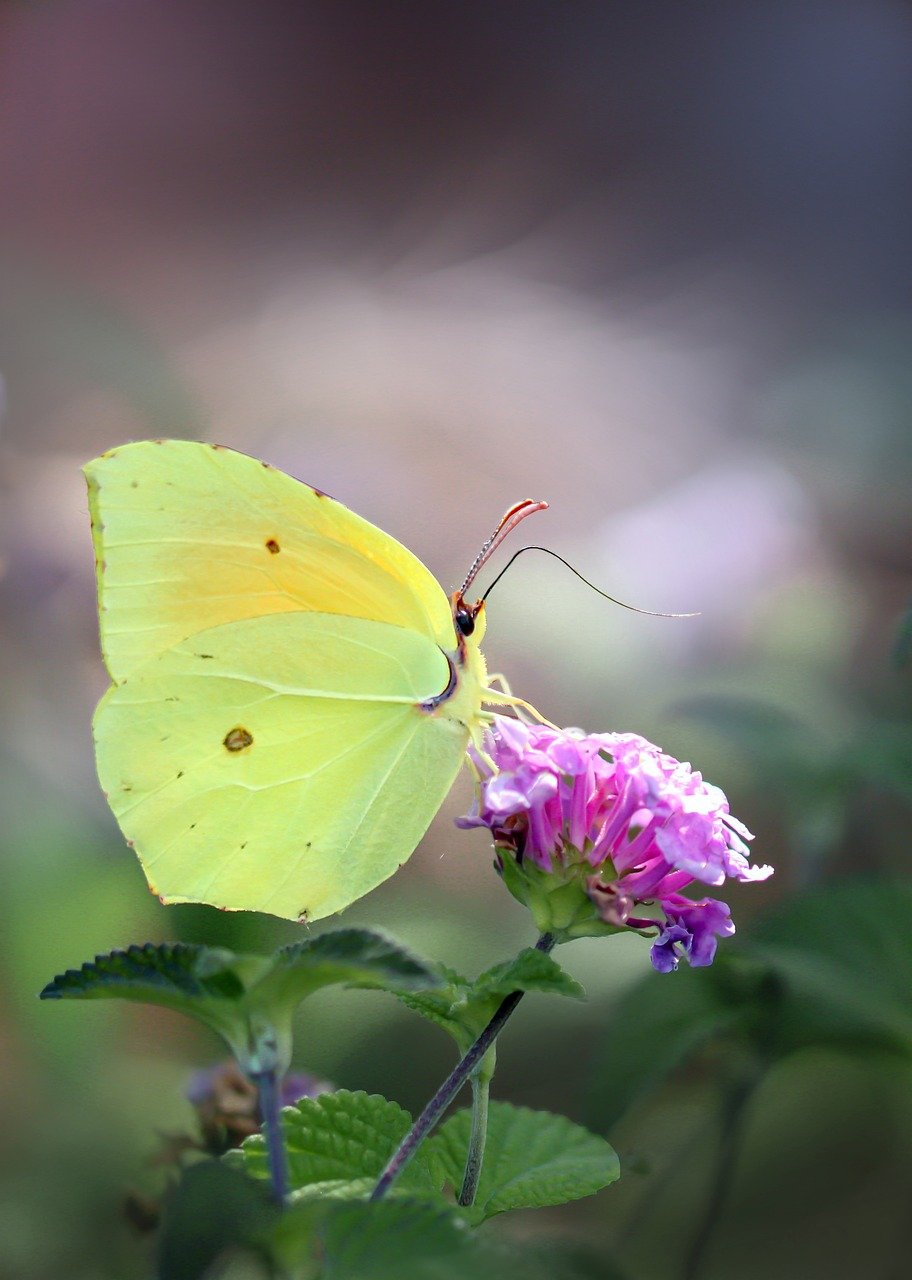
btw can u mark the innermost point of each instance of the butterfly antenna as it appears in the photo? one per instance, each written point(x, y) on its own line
point(511, 519)
point(652, 613)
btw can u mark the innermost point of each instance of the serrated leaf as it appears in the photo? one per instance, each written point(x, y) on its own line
point(361, 957)
point(204, 982)
point(532, 1159)
point(334, 1189)
point(340, 1138)
point(464, 1008)
point(390, 1239)
point(444, 1006)
point(249, 1000)
point(531, 970)
point(154, 973)
point(404, 1239)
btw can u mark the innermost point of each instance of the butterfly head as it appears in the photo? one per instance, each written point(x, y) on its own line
point(469, 619)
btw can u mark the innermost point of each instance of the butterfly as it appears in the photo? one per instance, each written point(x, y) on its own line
point(292, 691)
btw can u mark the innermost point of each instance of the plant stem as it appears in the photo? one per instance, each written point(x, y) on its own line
point(268, 1089)
point(451, 1086)
point(734, 1110)
point(480, 1088)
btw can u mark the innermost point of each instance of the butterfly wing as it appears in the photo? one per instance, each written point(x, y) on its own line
point(189, 536)
point(279, 764)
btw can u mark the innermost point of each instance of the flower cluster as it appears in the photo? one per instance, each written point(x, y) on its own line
point(613, 819)
point(226, 1101)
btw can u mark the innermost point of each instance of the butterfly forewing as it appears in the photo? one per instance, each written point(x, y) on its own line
point(190, 535)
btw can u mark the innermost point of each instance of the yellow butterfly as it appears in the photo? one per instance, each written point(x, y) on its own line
point(293, 693)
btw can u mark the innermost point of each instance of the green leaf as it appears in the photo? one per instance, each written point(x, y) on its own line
point(360, 957)
point(162, 974)
point(211, 1211)
point(531, 970)
point(464, 1008)
point(445, 1006)
point(392, 1239)
point(342, 1138)
point(532, 1159)
point(249, 1000)
point(203, 982)
point(415, 1240)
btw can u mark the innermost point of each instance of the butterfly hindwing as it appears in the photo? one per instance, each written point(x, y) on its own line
point(280, 764)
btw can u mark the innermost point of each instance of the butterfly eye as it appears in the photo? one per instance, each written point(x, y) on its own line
point(465, 620)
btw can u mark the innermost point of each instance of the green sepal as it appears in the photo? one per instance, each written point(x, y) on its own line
point(532, 1159)
point(557, 898)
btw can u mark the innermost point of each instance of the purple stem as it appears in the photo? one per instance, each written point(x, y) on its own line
point(451, 1086)
point(268, 1085)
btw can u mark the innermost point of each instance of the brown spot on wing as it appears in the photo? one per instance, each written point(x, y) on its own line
point(272, 546)
point(238, 739)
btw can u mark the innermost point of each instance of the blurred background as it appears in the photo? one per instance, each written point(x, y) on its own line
point(650, 262)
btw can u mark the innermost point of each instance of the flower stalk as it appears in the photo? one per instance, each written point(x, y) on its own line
point(269, 1094)
point(442, 1099)
point(481, 1086)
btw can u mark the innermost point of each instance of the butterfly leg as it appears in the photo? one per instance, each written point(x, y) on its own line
point(502, 697)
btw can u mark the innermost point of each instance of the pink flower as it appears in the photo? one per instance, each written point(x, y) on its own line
point(629, 823)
